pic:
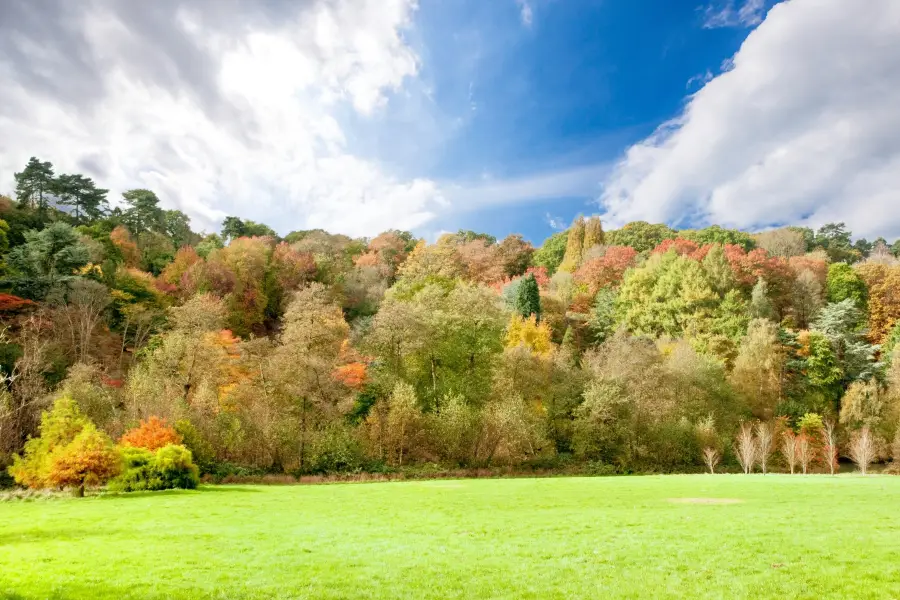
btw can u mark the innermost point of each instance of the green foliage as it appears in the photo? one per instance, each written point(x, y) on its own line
point(528, 298)
point(235, 227)
point(46, 259)
point(551, 253)
point(838, 323)
point(718, 235)
point(844, 283)
point(143, 212)
point(641, 236)
point(602, 320)
point(170, 467)
point(34, 183)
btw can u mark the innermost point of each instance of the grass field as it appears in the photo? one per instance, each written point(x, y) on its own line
point(669, 536)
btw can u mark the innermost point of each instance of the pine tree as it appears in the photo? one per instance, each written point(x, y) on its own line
point(528, 299)
point(574, 246)
point(144, 213)
point(34, 183)
point(81, 193)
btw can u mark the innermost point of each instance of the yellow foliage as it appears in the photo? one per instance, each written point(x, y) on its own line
point(529, 333)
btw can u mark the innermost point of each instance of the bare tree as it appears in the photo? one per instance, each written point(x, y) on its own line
point(805, 452)
point(711, 458)
point(789, 449)
point(829, 447)
point(863, 449)
point(764, 443)
point(78, 311)
point(745, 448)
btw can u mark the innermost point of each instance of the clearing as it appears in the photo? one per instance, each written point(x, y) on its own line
point(727, 536)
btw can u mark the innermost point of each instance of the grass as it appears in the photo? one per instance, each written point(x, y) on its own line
point(727, 536)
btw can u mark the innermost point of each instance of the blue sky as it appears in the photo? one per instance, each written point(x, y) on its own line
point(359, 116)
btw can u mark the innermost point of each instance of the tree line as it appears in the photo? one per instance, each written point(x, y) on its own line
point(638, 349)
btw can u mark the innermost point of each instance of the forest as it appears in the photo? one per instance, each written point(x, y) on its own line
point(131, 343)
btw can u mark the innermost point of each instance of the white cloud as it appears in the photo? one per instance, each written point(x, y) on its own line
point(526, 12)
point(731, 14)
point(803, 128)
point(555, 222)
point(220, 112)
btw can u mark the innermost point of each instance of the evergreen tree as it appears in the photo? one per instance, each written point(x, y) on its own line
point(34, 183)
point(46, 259)
point(602, 319)
point(528, 298)
point(574, 246)
point(81, 193)
point(143, 212)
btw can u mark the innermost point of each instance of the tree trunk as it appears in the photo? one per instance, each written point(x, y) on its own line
point(79, 491)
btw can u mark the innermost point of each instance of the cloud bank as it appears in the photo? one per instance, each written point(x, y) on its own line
point(803, 128)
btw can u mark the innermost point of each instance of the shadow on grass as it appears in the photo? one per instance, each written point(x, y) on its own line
point(225, 489)
point(54, 534)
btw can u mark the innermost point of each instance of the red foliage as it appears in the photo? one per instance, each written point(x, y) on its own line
point(680, 245)
point(10, 303)
point(115, 383)
point(540, 276)
point(151, 434)
point(607, 269)
point(748, 267)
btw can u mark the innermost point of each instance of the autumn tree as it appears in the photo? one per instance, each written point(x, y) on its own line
point(757, 369)
point(574, 246)
point(640, 235)
point(89, 459)
point(152, 433)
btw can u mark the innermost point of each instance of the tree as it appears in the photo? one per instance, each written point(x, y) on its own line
point(34, 183)
point(89, 459)
point(745, 448)
point(602, 320)
point(235, 227)
point(574, 246)
point(83, 195)
point(59, 427)
point(834, 238)
point(152, 433)
point(863, 449)
point(785, 242)
point(807, 298)
point(607, 269)
point(764, 440)
point(527, 332)
point(883, 283)
point(593, 234)
point(757, 369)
point(641, 236)
point(403, 420)
point(760, 305)
point(856, 358)
point(528, 298)
point(78, 311)
point(789, 449)
point(550, 255)
point(830, 445)
point(843, 283)
point(514, 254)
point(143, 212)
point(178, 229)
point(48, 258)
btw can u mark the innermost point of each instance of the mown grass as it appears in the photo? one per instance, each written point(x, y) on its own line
point(617, 537)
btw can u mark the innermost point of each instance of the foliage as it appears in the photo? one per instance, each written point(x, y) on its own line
point(550, 255)
point(152, 433)
point(46, 259)
point(168, 467)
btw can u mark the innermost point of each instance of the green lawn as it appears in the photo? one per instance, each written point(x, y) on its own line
point(768, 536)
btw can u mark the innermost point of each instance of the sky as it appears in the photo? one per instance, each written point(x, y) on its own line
point(508, 116)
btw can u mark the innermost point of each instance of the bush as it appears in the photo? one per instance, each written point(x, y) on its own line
point(171, 467)
point(334, 450)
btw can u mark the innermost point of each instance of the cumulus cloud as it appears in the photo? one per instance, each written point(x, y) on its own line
point(220, 106)
point(731, 14)
point(803, 128)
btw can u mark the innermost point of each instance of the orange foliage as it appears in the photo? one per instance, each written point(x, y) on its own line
point(680, 245)
point(817, 266)
point(352, 375)
point(883, 283)
point(10, 303)
point(121, 239)
point(151, 434)
point(170, 279)
point(748, 267)
point(292, 267)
